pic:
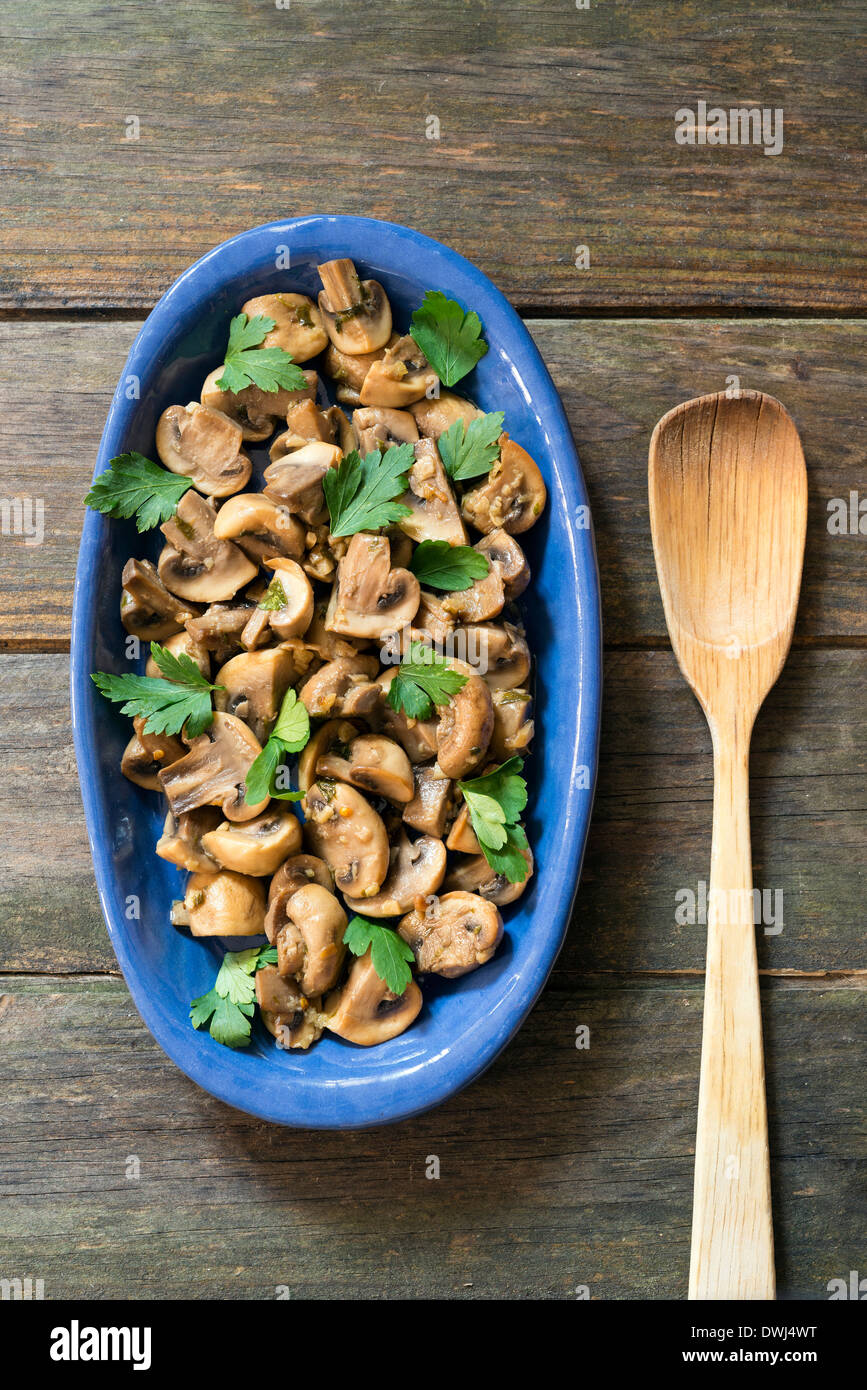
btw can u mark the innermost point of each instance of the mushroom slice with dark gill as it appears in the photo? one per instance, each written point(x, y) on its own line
point(341, 685)
point(195, 564)
point(373, 763)
point(293, 1019)
point(504, 553)
point(369, 598)
point(513, 724)
point(222, 904)
point(252, 685)
point(181, 840)
point(434, 511)
point(454, 935)
point(365, 1011)
point(475, 875)
point(298, 871)
point(417, 870)
point(377, 428)
point(310, 942)
point(204, 445)
point(147, 609)
point(356, 313)
point(402, 375)
point(348, 370)
point(253, 410)
point(428, 811)
point(344, 830)
point(257, 847)
point(295, 481)
point(260, 527)
point(465, 728)
point(498, 651)
point(513, 495)
point(213, 772)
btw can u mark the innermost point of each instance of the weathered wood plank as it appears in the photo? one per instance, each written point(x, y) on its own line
point(591, 1187)
point(616, 377)
point(556, 130)
point(650, 838)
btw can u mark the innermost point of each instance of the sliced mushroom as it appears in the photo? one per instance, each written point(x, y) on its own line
point(465, 728)
point(377, 428)
point(475, 875)
point(306, 424)
point(503, 552)
point(334, 733)
point(147, 609)
point(259, 846)
point(454, 935)
point(365, 1011)
point(511, 498)
point(223, 628)
point(195, 564)
point(183, 643)
point(252, 685)
point(429, 808)
point(342, 686)
point(370, 598)
point(298, 327)
point(503, 655)
point(204, 445)
point(402, 375)
point(253, 410)
point(296, 481)
point(142, 764)
point(356, 313)
point(417, 870)
point(417, 737)
point(485, 598)
point(310, 943)
point(432, 621)
point(225, 904)
point(213, 773)
point(298, 1029)
point(348, 370)
point(291, 588)
point(373, 763)
point(299, 871)
point(435, 515)
point(181, 840)
point(437, 414)
point(513, 724)
point(325, 644)
point(344, 830)
point(461, 836)
point(260, 527)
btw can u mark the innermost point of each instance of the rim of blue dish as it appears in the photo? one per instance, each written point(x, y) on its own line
point(394, 248)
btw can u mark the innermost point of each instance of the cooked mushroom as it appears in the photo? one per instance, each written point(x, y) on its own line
point(461, 836)
point(325, 644)
point(513, 495)
point(402, 375)
point(503, 654)
point(348, 370)
point(296, 480)
point(503, 552)
point(344, 830)
point(223, 904)
point(306, 424)
point(195, 564)
point(252, 685)
point(297, 327)
point(484, 598)
point(465, 727)
point(417, 870)
point(224, 627)
point(259, 846)
point(429, 808)
point(372, 762)
point(181, 840)
point(341, 686)
point(253, 410)
point(310, 943)
point(365, 1011)
point(335, 733)
point(213, 772)
point(260, 527)
point(298, 1029)
point(432, 619)
point(299, 871)
point(437, 414)
point(204, 445)
point(147, 609)
point(289, 601)
point(381, 429)
point(186, 643)
point(417, 737)
point(475, 875)
point(454, 935)
point(370, 598)
point(356, 313)
point(435, 515)
point(139, 765)
point(513, 724)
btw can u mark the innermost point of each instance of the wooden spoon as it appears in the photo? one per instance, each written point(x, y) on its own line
point(728, 513)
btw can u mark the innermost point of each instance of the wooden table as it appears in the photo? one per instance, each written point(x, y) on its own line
point(563, 1168)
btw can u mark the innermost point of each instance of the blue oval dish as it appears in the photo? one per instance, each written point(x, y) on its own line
point(465, 1022)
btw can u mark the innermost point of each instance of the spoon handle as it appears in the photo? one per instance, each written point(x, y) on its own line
point(732, 1254)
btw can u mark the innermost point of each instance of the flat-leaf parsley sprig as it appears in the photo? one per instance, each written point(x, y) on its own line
point(450, 339)
point(439, 565)
point(361, 492)
point(228, 1008)
point(421, 681)
point(248, 364)
point(468, 451)
point(133, 485)
point(289, 735)
point(180, 697)
point(389, 953)
point(495, 802)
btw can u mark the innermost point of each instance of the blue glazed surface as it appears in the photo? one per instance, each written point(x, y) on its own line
point(466, 1022)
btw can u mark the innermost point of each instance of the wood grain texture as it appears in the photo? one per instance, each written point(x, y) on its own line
point(557, 130)
point(616, 378)
point(649, 842)
point(590, 1188)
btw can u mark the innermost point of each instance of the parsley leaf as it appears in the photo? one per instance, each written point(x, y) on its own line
point(274, 598)
point(247, 364)
point(423, 680)
point(360, 492)
point(289, 735)
point(229, 1007)
point(468, 451)
point(495, 802)
point(389, 952)
point(134, 485)
point(442, 566)
point(183, 697)
point(450, 339)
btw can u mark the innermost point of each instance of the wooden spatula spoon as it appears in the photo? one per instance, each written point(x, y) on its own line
point(728, 512)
